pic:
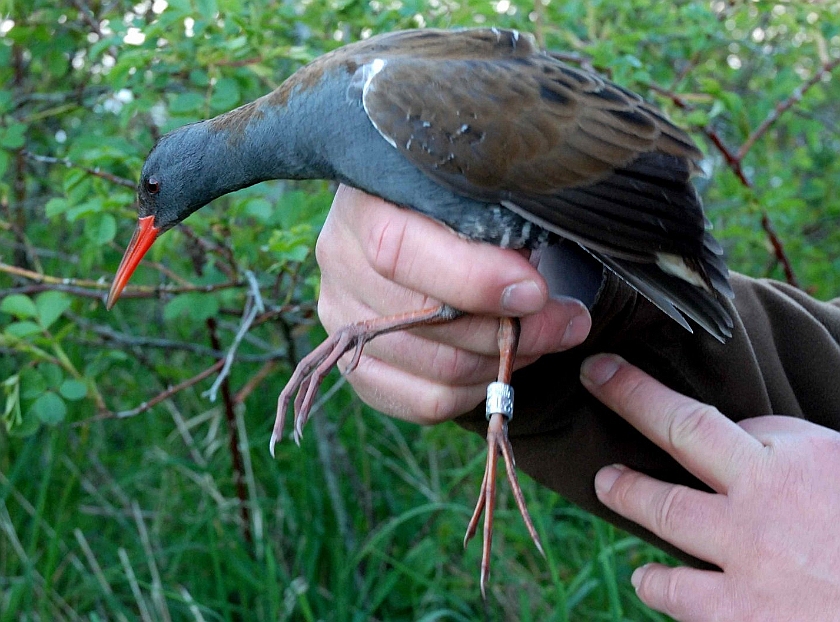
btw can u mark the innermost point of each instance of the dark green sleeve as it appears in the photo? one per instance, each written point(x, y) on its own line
point(784, 358)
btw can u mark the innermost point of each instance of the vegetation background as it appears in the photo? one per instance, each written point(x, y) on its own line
point(126, 493)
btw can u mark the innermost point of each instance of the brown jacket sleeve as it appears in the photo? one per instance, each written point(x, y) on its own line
point(784, 358)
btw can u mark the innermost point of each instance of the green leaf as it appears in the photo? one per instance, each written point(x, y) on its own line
point(53, 374)
point(49, 408)
point(23, 329)
point(225, 94)
point(292, 244)
point(13, 137)
point(259, 208)
point(19, 305)
point(195, 305)
point(72, 389)
point(32, 383)
point(11, 412)
point(50, 307)
point(100, 228)
point(4, 162)
point(186, 102)
point(56, 206)
point(199, 77)
point(84, 209)
point(5, 101)
point(207, 9)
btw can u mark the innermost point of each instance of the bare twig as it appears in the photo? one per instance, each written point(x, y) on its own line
point(39, 277)
point(785, 104)
point(124, 339)
point(233, 440)
point(731, 159)
point(255, 305)
point(779, 250)
point(256, 379)
point(96, 289)
point(157, 399)
point(228, 265)
point(734, 159)
point(96, 172)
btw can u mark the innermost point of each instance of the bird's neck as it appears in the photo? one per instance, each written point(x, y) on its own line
point(287, 134)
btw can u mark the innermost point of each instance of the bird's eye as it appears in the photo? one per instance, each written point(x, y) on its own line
point(152, 185)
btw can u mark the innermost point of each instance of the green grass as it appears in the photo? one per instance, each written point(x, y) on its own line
point(139, 519)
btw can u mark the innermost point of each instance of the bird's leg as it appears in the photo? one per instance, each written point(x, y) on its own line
point(499, 411)
point(314, 367)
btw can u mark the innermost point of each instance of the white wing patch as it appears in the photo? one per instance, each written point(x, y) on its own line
point(676, 266)
point(369, 72)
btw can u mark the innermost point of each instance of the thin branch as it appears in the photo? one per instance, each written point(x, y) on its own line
point(124, 339)
point(254, 306)
point(735, 159)
point(233, 441)
point(39, 277)
point(256, 379)
point(157, 399)
point(96, 172)
point(95, 289)
point(784, 105)
point(731, 159)
point(779, 250)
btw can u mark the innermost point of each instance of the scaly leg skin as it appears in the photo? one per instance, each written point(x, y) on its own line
point(499, 412)
point(313, 368)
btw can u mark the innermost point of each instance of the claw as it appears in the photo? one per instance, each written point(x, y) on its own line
point(313, 368)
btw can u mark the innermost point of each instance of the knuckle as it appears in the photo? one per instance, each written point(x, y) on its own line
point(541, 334)
point(453, 365)
point(440, 407)
point(623, 491)
point(675, 590)
point(690, 425)
point(328, 313)
point(384, 247)
point(664, 589)
point(323, 249)
point(670, 510)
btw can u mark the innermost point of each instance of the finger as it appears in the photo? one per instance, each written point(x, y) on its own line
point(422, 255)
point(685, 594)
point(770, 429)
point(434, 359)
point(408, 397)
point(693, 521)
point(709, 445)
point(562, 324)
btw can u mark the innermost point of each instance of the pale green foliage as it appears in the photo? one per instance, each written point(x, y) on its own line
point(370, 530)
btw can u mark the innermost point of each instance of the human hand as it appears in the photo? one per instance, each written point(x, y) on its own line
point(771, 525)
point(377, 260)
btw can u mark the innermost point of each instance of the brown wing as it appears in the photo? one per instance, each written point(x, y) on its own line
point(560, 145)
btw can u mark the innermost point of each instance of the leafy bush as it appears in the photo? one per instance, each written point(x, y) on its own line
point(125, 492)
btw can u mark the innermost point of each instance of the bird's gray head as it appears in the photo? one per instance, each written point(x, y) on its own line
point(187, 169)
point(179, 176)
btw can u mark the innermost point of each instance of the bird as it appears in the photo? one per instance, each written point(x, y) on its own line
point(483, 131)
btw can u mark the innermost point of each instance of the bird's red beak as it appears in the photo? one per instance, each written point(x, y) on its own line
point(143, 238)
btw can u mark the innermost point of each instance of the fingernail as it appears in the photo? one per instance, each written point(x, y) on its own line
point(523, 298)
point(576, 331)
point(598, 369)
point(605, 478)
point(636, 577)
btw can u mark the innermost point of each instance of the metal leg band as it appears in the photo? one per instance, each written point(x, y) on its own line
point(499, 400)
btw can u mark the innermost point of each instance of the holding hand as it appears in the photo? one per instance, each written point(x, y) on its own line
point(377, 260)
point(770, 525)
